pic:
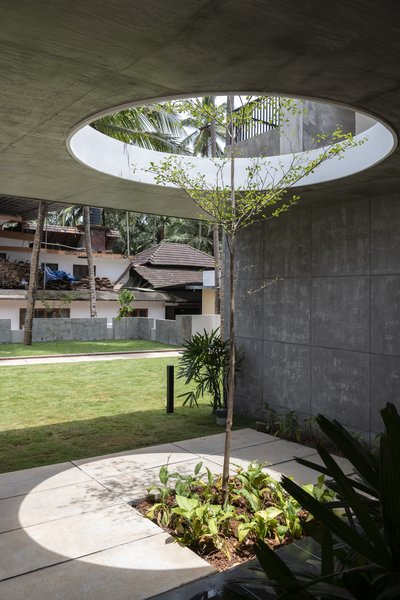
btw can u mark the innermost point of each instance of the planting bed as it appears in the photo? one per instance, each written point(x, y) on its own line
point(191, 509)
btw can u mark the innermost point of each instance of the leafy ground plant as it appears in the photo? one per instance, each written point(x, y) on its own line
point(190, 507)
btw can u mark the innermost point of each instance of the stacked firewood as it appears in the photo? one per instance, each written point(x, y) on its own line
point(16, 274)
point(102, 284)
point(59, 284)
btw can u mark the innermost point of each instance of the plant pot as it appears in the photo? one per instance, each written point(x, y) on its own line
point(221, 416)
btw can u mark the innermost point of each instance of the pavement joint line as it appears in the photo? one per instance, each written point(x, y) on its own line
point(234, 449)
point(118, 501)
point(56, 487)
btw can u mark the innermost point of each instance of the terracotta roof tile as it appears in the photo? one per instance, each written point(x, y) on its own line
point(172, 254)
point(166, 278)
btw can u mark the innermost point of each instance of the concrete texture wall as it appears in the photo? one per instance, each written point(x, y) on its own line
point(5, 331)
point(44, 330)
point(125, 328)
point(174, 332)
point(318, 312)
point(298, 131)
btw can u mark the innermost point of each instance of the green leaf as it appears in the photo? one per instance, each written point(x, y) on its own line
point(243, 530)
point(188, 504)
point(338, 526)
point(357, 505)
point(360, 458)
point(212, 526)
point(390, 479)
point(269, 513)
point(164, 474)
point(278, 571)
point(197, 468)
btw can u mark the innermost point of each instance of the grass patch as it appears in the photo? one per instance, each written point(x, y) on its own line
point(61, 412)
point(73, 347)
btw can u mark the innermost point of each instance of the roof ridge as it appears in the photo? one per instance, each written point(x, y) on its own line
point(157, 250)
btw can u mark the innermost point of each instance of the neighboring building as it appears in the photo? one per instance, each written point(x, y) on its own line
point(63, 249)
point(174, 268)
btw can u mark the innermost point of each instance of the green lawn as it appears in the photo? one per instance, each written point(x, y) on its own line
point(56, 413)
point(65, 347)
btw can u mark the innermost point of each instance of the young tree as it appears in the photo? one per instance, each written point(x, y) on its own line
point(265, 194)
point(33, 273)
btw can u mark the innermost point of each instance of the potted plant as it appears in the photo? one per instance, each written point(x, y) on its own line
point(204, 361)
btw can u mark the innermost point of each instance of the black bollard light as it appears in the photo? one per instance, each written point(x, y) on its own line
point(170, 388)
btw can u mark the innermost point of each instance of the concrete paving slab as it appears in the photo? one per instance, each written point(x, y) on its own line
point(214, 444)
point(82, 548)
point(132, 486)
point(301, 475)
point(133, 460)
point(269, 453)
point(39, 546)
point(134, 571)
point(47, 505)
point(40, 478)
point(343, 463)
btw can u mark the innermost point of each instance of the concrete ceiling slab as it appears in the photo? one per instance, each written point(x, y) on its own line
point(62, 62)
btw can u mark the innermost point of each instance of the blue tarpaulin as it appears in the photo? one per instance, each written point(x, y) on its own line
point(50, 275)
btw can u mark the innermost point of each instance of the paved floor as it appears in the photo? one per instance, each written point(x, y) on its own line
point(40, 360)
point(68, 532)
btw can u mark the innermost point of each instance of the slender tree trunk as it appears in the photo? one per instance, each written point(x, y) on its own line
point(216, 252)
point(217, 261)
point(33, 274)
point(90, 263)
point(128, 241)
point(232, 351)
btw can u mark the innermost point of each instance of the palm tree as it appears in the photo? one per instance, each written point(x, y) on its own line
point(208, 139)
point(198, 234)
point(151, 127)
point(90, 263)
point(33, 273)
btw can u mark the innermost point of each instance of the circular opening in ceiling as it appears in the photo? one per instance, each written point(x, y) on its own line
point(272, 137)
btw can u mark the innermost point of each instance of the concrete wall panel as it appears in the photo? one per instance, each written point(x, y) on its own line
point(340, 386)
point(44, 330)
point(249, 255)
point(338, 352)
point(249, 377)
point(385, 314)
point(287, 310)
point(340, 312)
point(385, 238)
point(340, 240)
point(286, 245)
point(5, 331)
point(125, 328)
point(249, 300)
point(286, 376)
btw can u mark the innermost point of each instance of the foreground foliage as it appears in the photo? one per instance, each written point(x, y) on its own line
point(358, 533)
point(258, 508)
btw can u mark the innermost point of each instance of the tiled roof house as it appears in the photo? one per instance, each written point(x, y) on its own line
point(177, 268)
